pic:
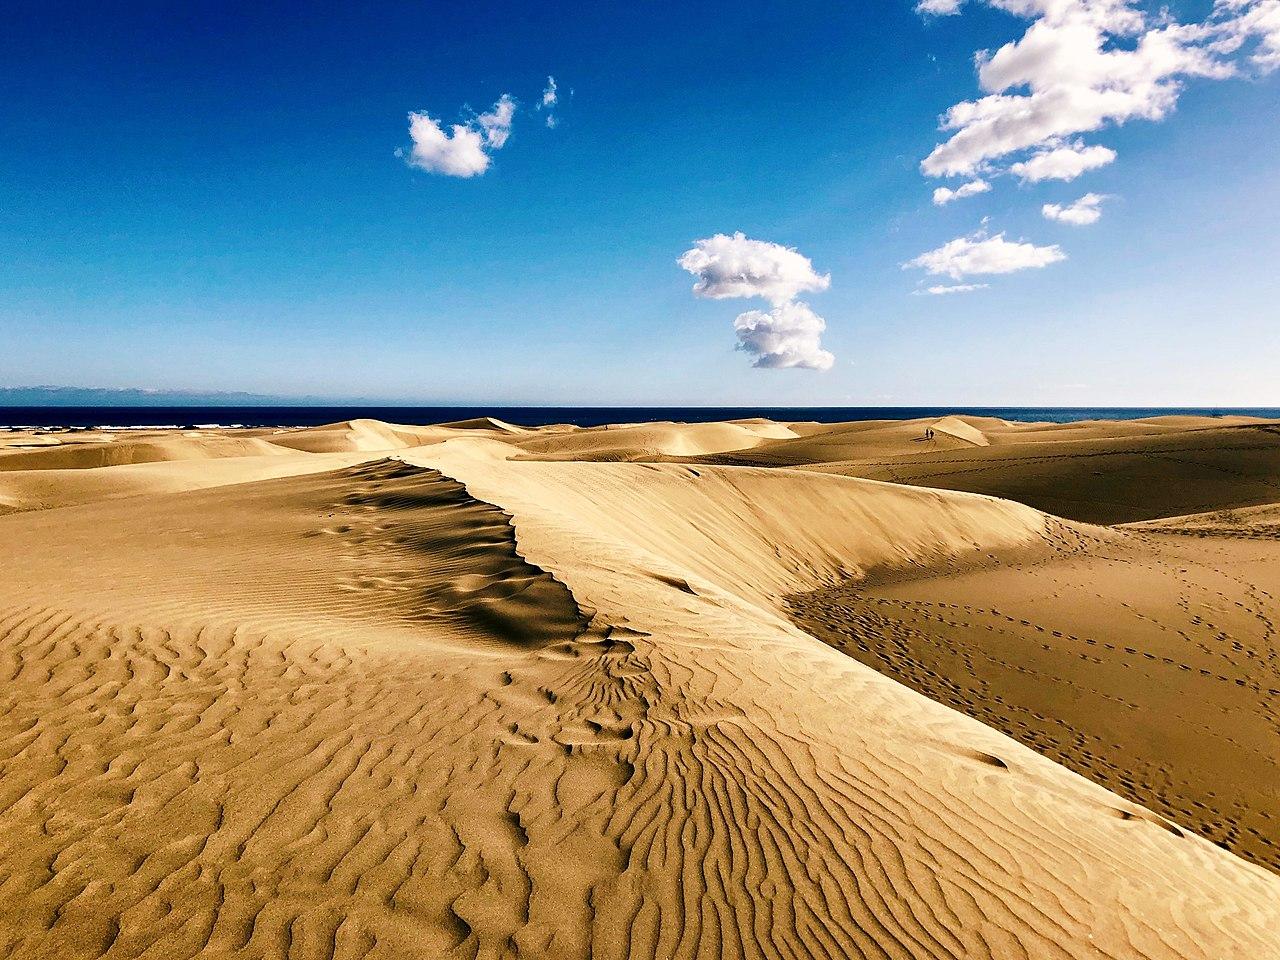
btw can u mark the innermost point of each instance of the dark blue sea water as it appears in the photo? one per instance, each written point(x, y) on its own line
point(287, 416)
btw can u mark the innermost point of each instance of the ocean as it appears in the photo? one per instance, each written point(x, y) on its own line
point(300, 416)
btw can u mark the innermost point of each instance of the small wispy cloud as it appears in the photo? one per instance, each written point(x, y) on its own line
point(1081, 213)
point(978, 254)
point(1062, 162)
point(944, 195)
point(938, 8)
point(942, 290)
point(550, 97)
point(497, 123)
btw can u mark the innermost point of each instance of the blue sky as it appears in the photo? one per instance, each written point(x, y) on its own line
point(211, 198)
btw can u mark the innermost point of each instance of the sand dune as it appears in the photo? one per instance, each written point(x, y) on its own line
point(442, 698)
point(486, 423)
point(1113, 472)
point(352, 435)
point(84, 455)
point(45, 489)
point(1261, 522)
point(645, 441)
point(957, 427)
point(1147, 663)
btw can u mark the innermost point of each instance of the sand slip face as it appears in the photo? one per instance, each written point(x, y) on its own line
point(474, 707)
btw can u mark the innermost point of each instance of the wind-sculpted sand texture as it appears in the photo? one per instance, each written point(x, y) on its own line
point(444, 703)
point(1149, 664)
point(1253, 523)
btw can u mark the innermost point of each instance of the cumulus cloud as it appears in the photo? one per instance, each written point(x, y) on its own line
point(978, 254)
point(736, 266)
point(1083, 65)
point(944, 195)
point(1062, 162)
point(1083, 212)
point(938, 8)
point(942, 290)
point(464, 150)
point(1243, 21)
point(790, 334)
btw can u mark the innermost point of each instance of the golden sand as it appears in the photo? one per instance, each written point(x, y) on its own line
point(476, 690)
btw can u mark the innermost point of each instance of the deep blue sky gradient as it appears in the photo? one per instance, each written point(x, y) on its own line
point(207, 196)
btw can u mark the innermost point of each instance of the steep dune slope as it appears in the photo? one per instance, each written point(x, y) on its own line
point(468, 706)
point(1146, 663)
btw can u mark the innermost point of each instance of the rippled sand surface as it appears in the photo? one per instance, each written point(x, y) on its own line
point(477, 690)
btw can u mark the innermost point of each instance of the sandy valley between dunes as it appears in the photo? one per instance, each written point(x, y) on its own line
point(745, 689)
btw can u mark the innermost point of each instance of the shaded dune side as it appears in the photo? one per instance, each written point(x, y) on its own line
point(453, 561)
point(835, 813)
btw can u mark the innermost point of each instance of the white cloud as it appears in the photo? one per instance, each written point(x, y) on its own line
point(1243, 21)
point(1083, 212)
point(460, 154)
point(464, 150)
point(981, 255)
point(736, 266)
point(1062, 162)
point(496, 124)
point(944, 195)
point(1083, 65)
point(789, 335)
point(944, 289)
point(550, 97)
point(938, 8)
